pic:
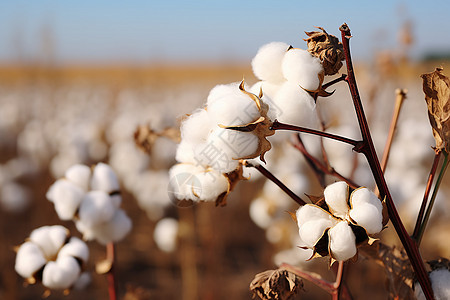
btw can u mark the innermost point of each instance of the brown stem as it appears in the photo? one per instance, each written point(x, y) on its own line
point(281, 126)
point(275, 180)
point(111, 275)
point(320, 167)
point(434, 166)
point(313, 163)
point(339, 79)
point(401, 96)
point(323, 284)
point(368, 150)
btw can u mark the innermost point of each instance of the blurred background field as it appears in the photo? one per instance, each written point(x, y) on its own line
point(58, 108)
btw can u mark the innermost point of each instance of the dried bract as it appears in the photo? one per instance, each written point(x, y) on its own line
point(437, 95)
point(327, 48)
point(276, 284)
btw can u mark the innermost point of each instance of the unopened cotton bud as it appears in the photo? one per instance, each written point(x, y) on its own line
point(75, 248)
point(96, 208)
point(66, 197)
point(342, 241)
point(302, 68)
point(104, 179)
point(79, 175)
point(61, 274)
point(267, 62)
point(49, 238)
point(165, 234)
point(336, 197)
point(29, 259)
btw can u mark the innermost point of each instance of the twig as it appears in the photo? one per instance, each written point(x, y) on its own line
point(275, 180)
point(111, 275)
point(368, 149)
point(433, 198)
point(426, 194)
point(339, 79)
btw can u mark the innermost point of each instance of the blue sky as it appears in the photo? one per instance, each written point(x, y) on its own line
point(173, 31)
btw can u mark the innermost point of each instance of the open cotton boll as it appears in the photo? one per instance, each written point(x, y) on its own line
point(165, 234)
point(302, 68)
point(75, 248)
point(212, 185)
point(440, 283)
point(367, 216)
point(96, 208)
point(61, 274)
point(196, 127)
point(29, 259)
point(267, 62)
point(114, 230)
point(222, 90)
point(336, 196)
point(184, 183)
point(79, 175)
point(234, 109)
point(364, 195)
point(186, 152)
point(309, 212)
point(49, 238)
point(104, 179)
point(66, 197)
point(342, 241)
point(233, 144)
point(269, 91)
point(310, 232)
point(294, 105)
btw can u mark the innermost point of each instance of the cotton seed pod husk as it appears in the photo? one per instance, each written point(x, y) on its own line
point(437, 96)
point(276, 284)
point(327, 48)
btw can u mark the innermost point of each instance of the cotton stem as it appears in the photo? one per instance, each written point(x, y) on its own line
point(111, 275)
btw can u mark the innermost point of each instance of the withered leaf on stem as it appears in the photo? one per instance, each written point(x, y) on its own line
point(276, 284)
point(437, 95)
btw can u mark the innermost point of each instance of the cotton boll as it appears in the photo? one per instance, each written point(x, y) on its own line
point(368, 216)
point(269, 91)
point(49, 238)
point(96, 208)
point(14, 197)
point(342, 241)
point(440, 283)
point(186, 152)
point(212, 185)
point(196, 128)
point(61, 274)
point(267, 62)
point(165, 234)
point(364, 195)
point(259, 212)
point(302, 68)
point(66, 197)
point(309, 212)
point(295, 105)
point(234, 109)
point(127, 159)
point(222, 90)
point(184, 183)
point(75, 248)
point(29, 259)
point(233, 144)
point(310, 232)
point(104, 179)
point(114, 230)
point(79, 175)
point(336, 196)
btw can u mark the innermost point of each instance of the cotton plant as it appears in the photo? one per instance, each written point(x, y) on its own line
point(91, 198)
point(54, 257)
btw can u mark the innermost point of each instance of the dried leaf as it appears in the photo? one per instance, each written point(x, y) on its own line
point(276, 284)
point(327, 48)
point(145, 137)
point(441, 263)
point(437, 95)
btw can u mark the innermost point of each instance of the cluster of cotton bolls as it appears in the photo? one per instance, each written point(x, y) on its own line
point(233, 126)
point(92, 199)
point(51, 255)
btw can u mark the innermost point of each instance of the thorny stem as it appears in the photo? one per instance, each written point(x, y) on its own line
point(275, 180)
point(433, 198)
point(426, 194)
point(281, 126)
point(112, 282)
point(318, 166)
point(401, 96)
point(368, 150)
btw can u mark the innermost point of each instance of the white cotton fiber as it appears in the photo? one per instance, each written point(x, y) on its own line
point(79, 175)
point(301, 68)
point(96, 208)
point(49, 238)
point(185, 152)
point(114, 230)
point(29, 259)
point(104, 179)
point(259, 212)
point(165, 234)
point(66, 197)
point(294, 105)
point(212, 185)
point(336, 196)
point(196, 127)
point(61, 274)
point(75, 248)
point(367, 216)
point(309, 212)
point(221, 90)
point(342, 241)
point(440, 283)
point(267, 62)
point(364, 195)
point(184, 183)
point(234, 144)
point(310, 232)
